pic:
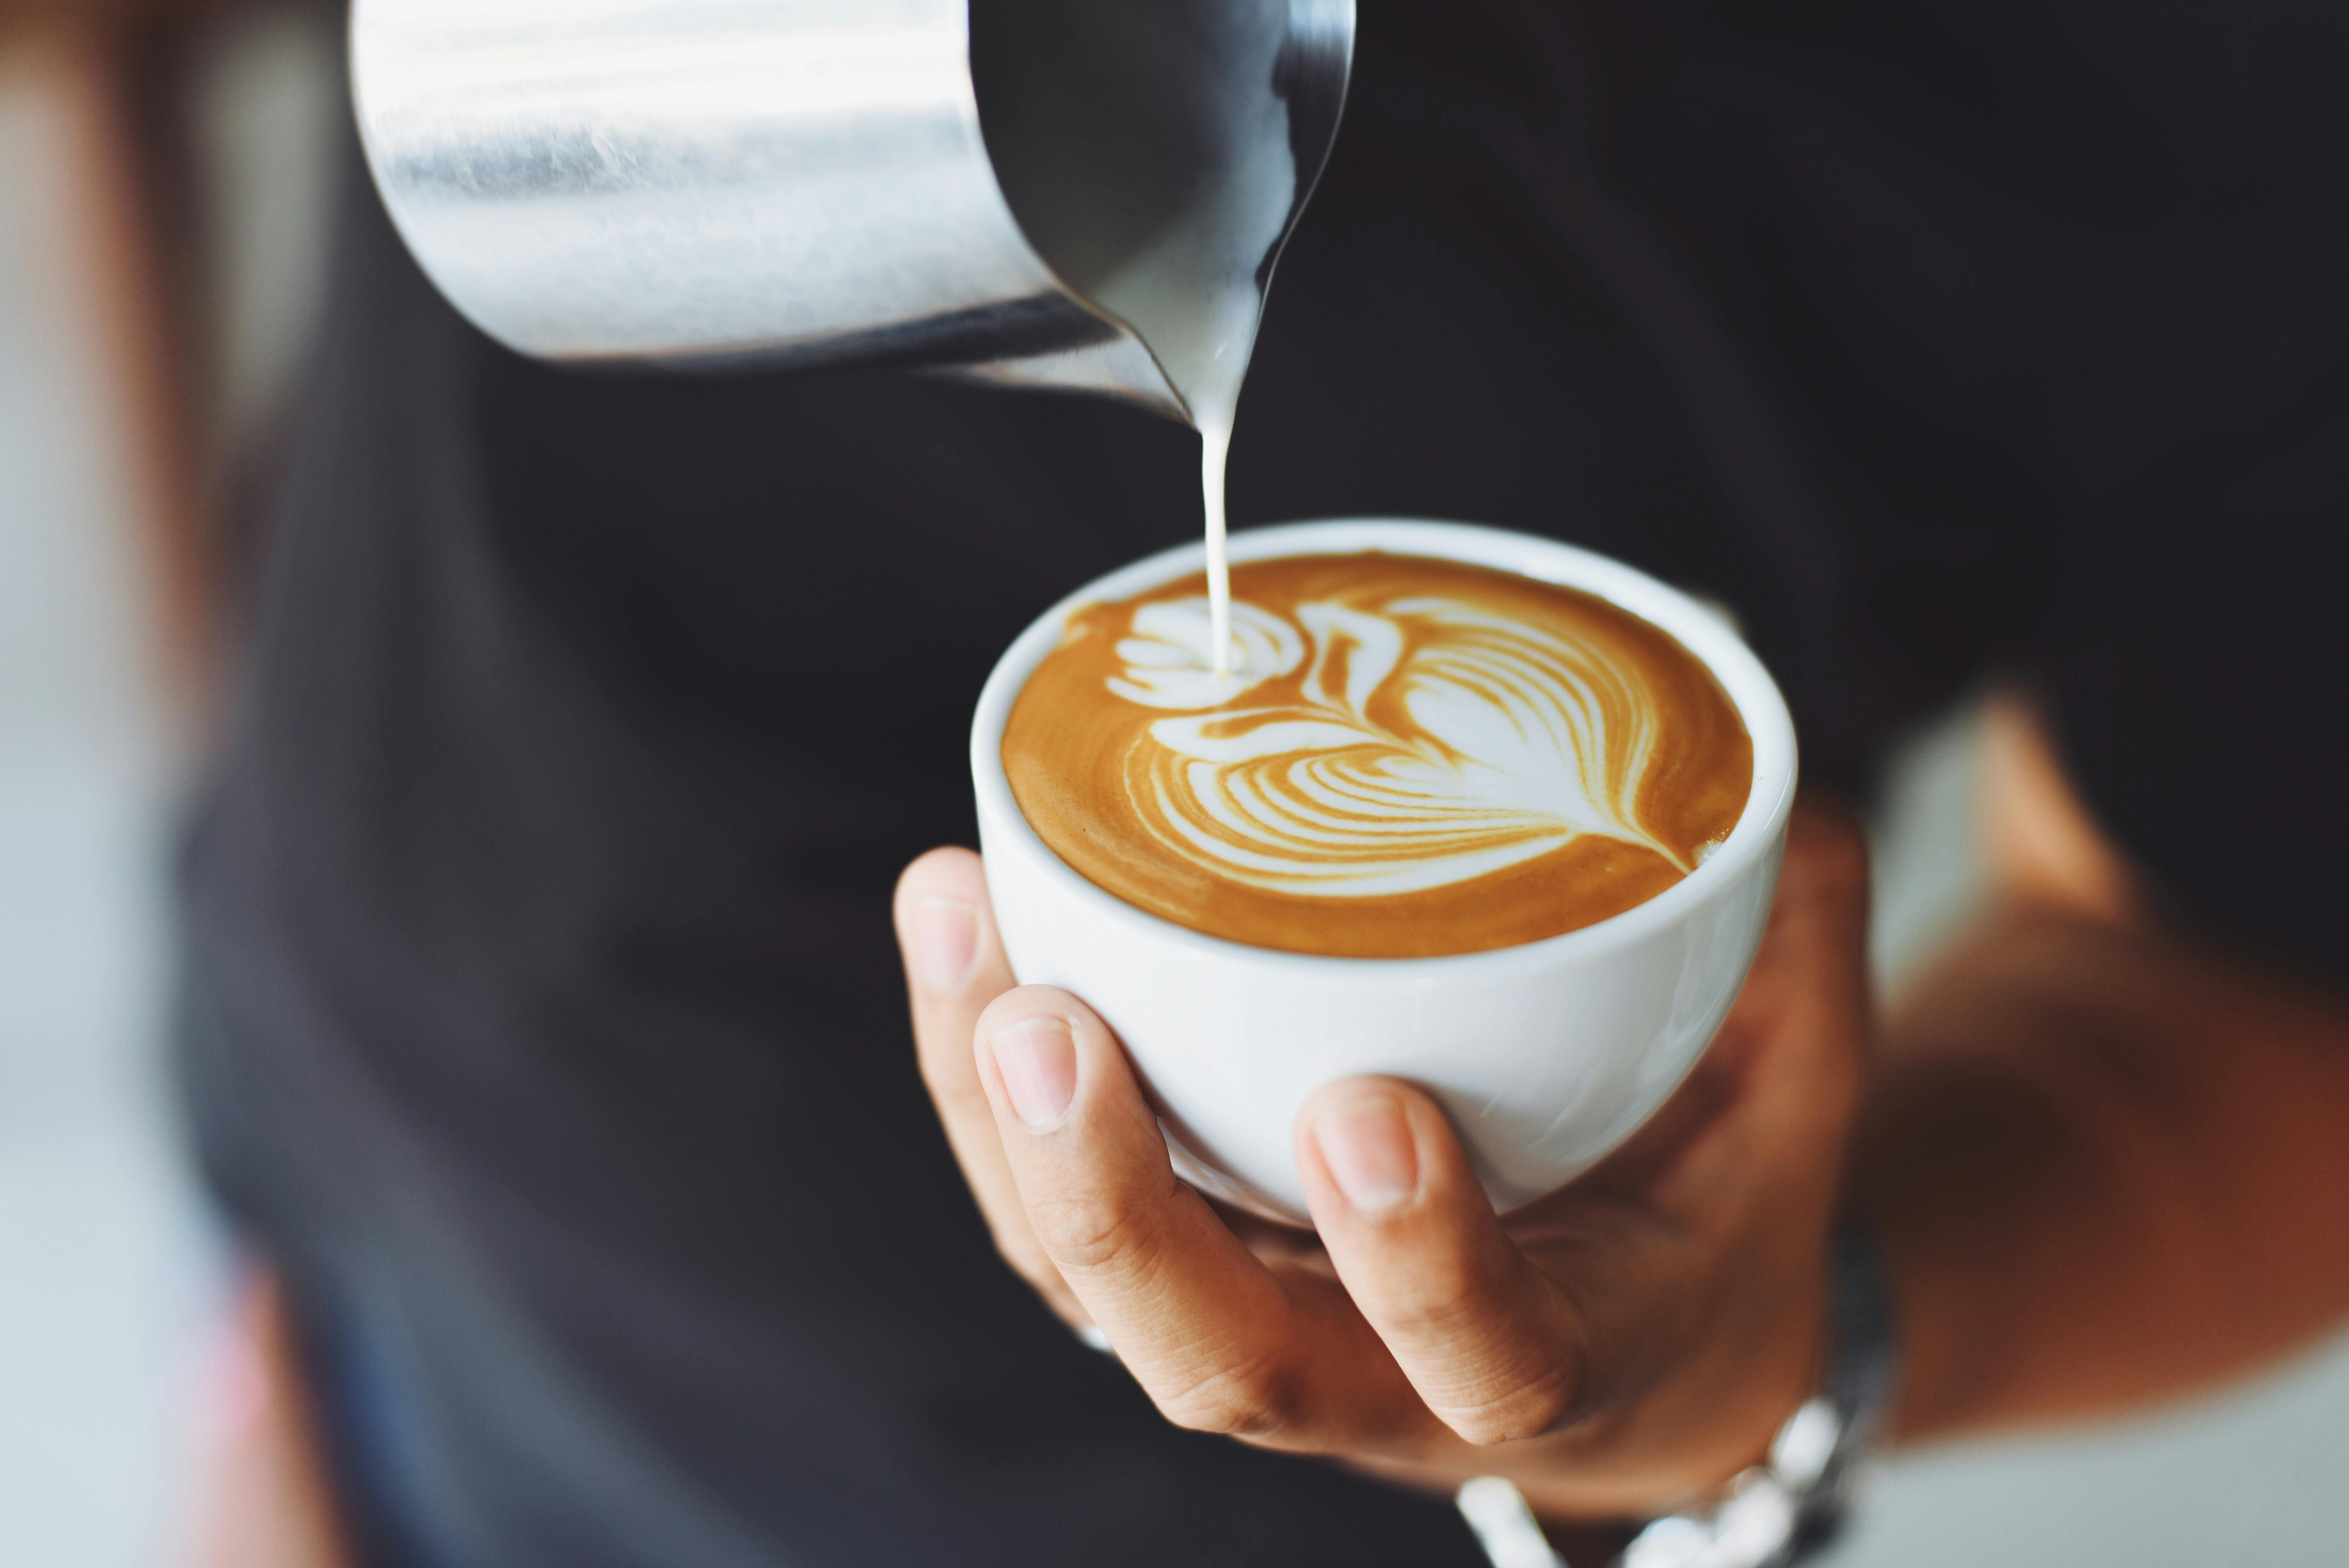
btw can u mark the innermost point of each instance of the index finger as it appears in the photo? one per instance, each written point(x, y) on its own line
point(955, 966)
point(1218, 1341)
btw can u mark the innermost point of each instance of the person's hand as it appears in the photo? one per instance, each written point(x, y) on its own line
point(263, 1496)
point(1614, 1348)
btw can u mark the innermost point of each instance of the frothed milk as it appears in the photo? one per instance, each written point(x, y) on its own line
point(1406, 758)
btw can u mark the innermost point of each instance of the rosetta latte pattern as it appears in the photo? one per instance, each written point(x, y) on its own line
point(1429, 742)
point(1403, 757)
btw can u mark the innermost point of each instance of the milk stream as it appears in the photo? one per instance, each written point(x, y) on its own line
point(1194, 290)
point(1195, 299)
point(1215, 454)
point(1147, 151)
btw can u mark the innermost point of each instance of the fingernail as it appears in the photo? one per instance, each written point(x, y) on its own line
point(1038, 1059)
point(946, 939)
point(1367, 1146)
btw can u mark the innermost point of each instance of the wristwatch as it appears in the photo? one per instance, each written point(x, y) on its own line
point(1784, 1511)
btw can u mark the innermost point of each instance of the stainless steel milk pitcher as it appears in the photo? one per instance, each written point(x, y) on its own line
point(943, 182)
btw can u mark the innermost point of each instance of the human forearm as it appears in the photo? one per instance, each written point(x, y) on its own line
point(106, 83)
point(2105, 1168)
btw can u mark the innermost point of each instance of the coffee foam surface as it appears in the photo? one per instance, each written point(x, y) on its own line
point(1406, 757)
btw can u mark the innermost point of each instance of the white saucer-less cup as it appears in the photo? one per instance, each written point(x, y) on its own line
point(1546, 1056)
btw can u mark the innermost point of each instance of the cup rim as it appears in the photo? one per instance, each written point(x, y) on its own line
point(1703, 631)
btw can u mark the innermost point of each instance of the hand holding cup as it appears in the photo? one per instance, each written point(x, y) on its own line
point(1613, 1347)
point(1375, 852)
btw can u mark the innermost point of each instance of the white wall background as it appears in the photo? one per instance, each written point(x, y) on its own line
point(105, 1271)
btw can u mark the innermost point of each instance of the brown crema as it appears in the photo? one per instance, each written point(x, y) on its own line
point(1410, 757)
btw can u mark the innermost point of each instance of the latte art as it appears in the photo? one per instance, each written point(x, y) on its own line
point(1403, 755)
point(1494, 742)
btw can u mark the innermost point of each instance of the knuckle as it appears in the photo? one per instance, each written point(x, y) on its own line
point(1089, 1232)
point(1527, 1410)
point(1257, 1400)
point(1496, 1379)
point(1440, 1308)
point(1453, 1301)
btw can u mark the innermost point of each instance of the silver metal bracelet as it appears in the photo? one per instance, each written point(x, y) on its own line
point(1777, 1514)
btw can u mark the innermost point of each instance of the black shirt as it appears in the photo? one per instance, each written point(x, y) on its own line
point(543, 1015)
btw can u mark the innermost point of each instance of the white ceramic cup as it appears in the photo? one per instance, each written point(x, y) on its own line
point(1546, 1056)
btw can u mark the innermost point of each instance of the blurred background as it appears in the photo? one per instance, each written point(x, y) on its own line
point(206, 144)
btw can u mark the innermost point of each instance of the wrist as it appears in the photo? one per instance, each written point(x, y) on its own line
point(1785, 1508)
